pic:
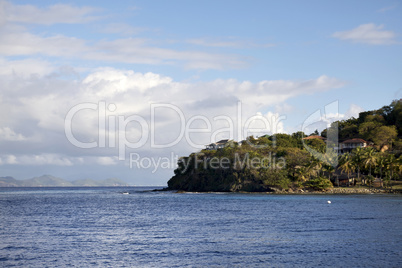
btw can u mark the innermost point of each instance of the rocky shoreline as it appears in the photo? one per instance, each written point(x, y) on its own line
point(341, 191)
point(326, 192)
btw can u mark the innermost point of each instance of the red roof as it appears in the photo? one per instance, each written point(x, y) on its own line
point(356, 140)
point(314, 137)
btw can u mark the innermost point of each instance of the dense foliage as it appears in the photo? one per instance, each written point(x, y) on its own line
point(281, 161)
point(383, 127)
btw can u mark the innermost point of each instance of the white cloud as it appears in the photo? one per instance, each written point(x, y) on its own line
point(106, 161)
point(353, 111)
point(8, 134)
point(108, 82)
point(11, 159)
point(368, 34)
point(59, 13)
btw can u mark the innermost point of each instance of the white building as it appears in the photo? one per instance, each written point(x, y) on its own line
point(348, 145)
point(217, 145)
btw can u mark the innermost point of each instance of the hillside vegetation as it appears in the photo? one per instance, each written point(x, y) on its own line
point(281, 161)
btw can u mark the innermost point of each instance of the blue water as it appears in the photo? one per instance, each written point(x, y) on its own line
point(101, 227)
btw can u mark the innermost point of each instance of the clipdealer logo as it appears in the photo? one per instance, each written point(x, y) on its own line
point(112, 128)
point(112, 132)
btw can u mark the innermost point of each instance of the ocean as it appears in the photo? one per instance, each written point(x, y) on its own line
point(102, 227)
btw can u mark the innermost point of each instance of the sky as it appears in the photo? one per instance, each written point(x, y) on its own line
point(121, 89)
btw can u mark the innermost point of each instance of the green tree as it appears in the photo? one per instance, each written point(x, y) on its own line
point(370, 158)
point(324, 133)
point(297, 137)
point(366, 130)
point(295, 158)
point(319, 183)
point(349, 132)
point(329, 170)
point(357, 160)
point(390, 167)
point(264, 140)
point(283, 140)
point(346, 164)
point(381, 162)
point(302, 174)
point(376, 117)
point(384, 135)
point(316, 144)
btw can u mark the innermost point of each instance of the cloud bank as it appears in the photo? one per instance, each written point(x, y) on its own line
point(37, 107)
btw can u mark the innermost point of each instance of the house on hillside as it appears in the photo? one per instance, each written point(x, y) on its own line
point(348, 145)
point(217, 145)
point(344, 147)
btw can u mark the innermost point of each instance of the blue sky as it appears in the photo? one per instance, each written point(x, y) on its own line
point(279, 59)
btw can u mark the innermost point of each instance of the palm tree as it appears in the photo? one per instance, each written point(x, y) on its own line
point(381, 163)
point(390, 164)
point(370, 158)
point(357, 160)
point(330, 170)
point(346, 164)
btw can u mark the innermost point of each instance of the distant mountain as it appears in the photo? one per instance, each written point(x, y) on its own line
point(9, 182)
point(51, 181)
point(46, 180)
